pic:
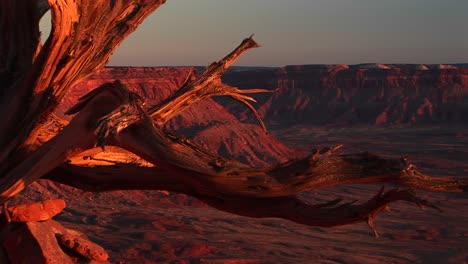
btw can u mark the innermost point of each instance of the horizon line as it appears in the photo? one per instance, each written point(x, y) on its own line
point(306, 64)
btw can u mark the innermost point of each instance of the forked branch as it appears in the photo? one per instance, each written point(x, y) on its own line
point(208, 84)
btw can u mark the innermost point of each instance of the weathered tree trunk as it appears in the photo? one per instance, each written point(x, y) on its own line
point(35, 78)
point(79, 45)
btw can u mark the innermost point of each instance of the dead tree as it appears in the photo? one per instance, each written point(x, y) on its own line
point(34, 78)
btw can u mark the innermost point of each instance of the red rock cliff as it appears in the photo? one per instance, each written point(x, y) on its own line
point(359, 94)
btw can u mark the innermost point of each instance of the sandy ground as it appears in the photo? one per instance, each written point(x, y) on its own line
point(136, 234)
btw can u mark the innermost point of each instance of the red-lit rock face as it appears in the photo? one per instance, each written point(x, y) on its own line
point(359, 94)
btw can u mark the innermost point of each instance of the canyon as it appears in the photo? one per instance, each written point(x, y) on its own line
point(364, 94)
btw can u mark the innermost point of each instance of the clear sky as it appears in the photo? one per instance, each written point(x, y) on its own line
point(198, 32)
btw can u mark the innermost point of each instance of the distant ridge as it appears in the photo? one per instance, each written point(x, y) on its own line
point(366, 94)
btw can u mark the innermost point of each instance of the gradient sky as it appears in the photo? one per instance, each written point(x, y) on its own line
point(198, 32)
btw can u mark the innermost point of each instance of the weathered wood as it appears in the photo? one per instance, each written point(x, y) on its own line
point(76, 137)
point(19, 44)
point(79, 45)
point(20, 37)
point(333, 213)
point(207, 85)
point(123, 176)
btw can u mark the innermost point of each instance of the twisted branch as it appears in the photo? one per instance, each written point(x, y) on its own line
point(333, 213)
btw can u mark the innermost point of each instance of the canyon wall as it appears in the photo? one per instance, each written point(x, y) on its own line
point(370, 94)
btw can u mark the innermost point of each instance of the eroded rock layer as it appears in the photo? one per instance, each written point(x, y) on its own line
point(359, 94)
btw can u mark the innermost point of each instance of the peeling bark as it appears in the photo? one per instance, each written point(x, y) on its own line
point(19, 44)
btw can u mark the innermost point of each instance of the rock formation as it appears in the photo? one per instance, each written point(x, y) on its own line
point(29, 235)
point(370, 94)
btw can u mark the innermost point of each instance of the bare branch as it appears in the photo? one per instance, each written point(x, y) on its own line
point(19, 29)
point(80, 44)
point(325, 215)
point(121, 176)
point(208, 84)
point(182, 156)
point(228, 185)
point(129, 177)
